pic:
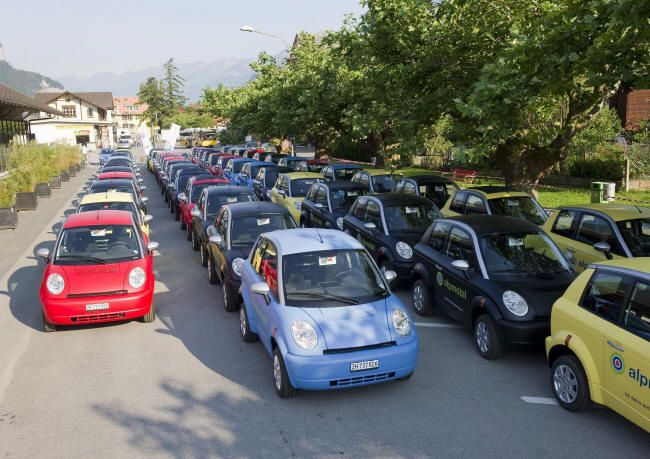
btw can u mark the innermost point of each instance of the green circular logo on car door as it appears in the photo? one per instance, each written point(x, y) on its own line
point(439, 279)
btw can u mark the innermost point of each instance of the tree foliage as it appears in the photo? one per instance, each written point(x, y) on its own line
point(164, 97)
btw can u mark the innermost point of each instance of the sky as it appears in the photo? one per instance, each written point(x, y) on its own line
point(83, 37)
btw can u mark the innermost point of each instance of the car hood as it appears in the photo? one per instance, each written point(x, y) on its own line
point(539, 293)
point(410, 237)
point(90, 279)
point(353, 325)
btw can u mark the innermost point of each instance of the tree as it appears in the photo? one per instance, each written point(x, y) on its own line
point(191, 117)
point(151, 93)
point(173, 84)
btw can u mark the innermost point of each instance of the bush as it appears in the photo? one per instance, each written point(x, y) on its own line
point(607, 164)
point(7, 192)
point(34, 163)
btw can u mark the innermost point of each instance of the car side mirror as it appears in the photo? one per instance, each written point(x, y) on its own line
point(142, 188)
point(152, 247)
point(144, 199)
point(461, 265)
point(216, 239)
point(182, 197)
point(282, 193)
point(140, 180)
point(391, 277)
point(148, 218)
point(196, 213)
point(43, 253)
point(319, 205)
point(370, 225)
point(261, 288)
point(605, 248)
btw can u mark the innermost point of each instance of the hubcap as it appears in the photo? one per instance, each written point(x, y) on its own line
point(277, 372)
point(418, 297)
point(225, 295)
point(482, 337)
point(209, 268)
point(565, 384)
point(242, 321)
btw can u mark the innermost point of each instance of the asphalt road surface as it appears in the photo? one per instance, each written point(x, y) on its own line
point(186, 385)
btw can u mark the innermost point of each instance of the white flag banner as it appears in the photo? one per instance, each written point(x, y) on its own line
point(143, 132)
point(172, 136)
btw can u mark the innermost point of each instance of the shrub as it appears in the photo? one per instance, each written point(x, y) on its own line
point(7, 192)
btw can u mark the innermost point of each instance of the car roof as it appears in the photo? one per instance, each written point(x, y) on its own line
point(429, 178)
point(497, 191)
point(343, 185)
point(113, 182)
point(616, 212)
point(242, 209)
point(294, 158)
point(374, 172)
point(107, 196)
point(242, 160)
point(302, 175)
point(115, 174)
point(345, 166)
point(212, 179)
point(261, 163)
point(99, 217)
point(392, 199)
point(228, 189)
point(640, 265)
point(495, 224)
point(306, 240)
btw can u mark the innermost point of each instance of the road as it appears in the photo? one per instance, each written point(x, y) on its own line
point(186, 385)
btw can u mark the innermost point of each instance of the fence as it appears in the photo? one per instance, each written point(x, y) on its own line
point(639, 157)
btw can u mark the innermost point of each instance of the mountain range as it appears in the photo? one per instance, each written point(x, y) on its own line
point(198, 75)
point(24, 81)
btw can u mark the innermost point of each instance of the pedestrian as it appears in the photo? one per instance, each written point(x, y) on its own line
point(84, 152)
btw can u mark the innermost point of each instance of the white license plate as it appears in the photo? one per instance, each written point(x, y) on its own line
point(367, 365)
point(96, 306)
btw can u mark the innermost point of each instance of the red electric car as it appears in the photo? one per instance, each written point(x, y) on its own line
point(100, 271)
point(189, 198)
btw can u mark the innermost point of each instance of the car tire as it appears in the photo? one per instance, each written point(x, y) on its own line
point(183, 225)
point(195, 243)
point(244, 327)
point(212, 273)
point(151, 315)
point(47, 326)
point(177, 213)
point(189, 232)
point(281, 382)
point(486, 338)
point(421, 297)
point(569, 383)
point(204, 256)
point(229, 303)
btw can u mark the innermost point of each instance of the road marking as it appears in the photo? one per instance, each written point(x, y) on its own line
point(436, 325)
point(539, 400)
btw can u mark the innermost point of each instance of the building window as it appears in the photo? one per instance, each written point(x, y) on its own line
point(70, 111)
point(90, 112)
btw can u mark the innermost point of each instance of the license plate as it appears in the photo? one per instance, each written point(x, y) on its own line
point(367, 365)
point(96, 306)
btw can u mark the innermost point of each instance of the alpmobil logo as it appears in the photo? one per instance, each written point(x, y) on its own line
point(617, 363)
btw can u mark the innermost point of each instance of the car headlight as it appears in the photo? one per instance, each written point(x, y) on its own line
point(515, 303)
point(401, 322)
point(55, 283)
point(237, 265)
point(404, 250)
point(339, 223)
point(137, 276)
point(303, 334)
point(297, 205)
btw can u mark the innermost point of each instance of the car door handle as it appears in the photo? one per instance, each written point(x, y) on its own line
point(570, 249)
point(618, 347)
point(438, 267)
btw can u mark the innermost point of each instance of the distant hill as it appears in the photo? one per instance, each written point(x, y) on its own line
point(198, 75)
point(24, 81)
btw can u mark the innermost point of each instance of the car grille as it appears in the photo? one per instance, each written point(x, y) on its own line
point(343, 350)
point(98, 317)
point(85, 295)
point(365, 379)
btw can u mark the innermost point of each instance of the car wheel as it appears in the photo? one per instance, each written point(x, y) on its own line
point(195, 242)
point(212, 273)
point(244, 328)
point(151, 315)
point(487, 339)
point(189, 232)
point(283, 386)
point(177, 213)
point(569, 383)
point(183, 225)
point(47, 326)
point(421, 298)
point(204, 256)
point(228, 301)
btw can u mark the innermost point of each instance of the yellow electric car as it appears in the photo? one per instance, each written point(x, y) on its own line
point(598, 232)
point(599, 348)
point(115, 200)
point(291, 188)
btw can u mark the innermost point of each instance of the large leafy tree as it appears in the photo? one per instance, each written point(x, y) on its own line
point(151, 93)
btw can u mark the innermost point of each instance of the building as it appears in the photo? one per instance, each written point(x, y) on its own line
point(128, 113)
point(2, 52)
point(86, 117)
point(632, 106)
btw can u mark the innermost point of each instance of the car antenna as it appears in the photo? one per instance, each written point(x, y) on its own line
point(320, 237)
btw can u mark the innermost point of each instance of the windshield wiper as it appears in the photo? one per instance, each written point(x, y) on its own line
point(323, 296)
point(84, 258)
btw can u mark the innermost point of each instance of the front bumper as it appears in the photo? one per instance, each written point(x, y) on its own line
point(404, 269)
point(525, 333)
point(332, 371)
point(72, 311)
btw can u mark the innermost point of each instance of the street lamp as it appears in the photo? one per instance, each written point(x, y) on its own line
point(246, 28)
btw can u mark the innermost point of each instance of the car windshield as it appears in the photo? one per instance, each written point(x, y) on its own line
point(414, 217)
point(345, 174)
point(331, 278)
point(215, 202)
point(270, 176)
point(246, 229)
point(636, 234)
point(236, 168)
point(343, 199)
point(519, 207)
point(385, 183)
point(128, 206)
point(98, 244)
point(297, 165)
point(522, 253)
point(438, 193)
point(300, 187)
point(197, 188)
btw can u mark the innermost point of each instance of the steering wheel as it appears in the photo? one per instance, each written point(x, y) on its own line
point(348, 272)
point(119, 245)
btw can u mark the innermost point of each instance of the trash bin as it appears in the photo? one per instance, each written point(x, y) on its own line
point(610, 194)
point(598, 190)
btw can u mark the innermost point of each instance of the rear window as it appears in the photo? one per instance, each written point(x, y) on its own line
point(215, 202)
point(300, 187)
